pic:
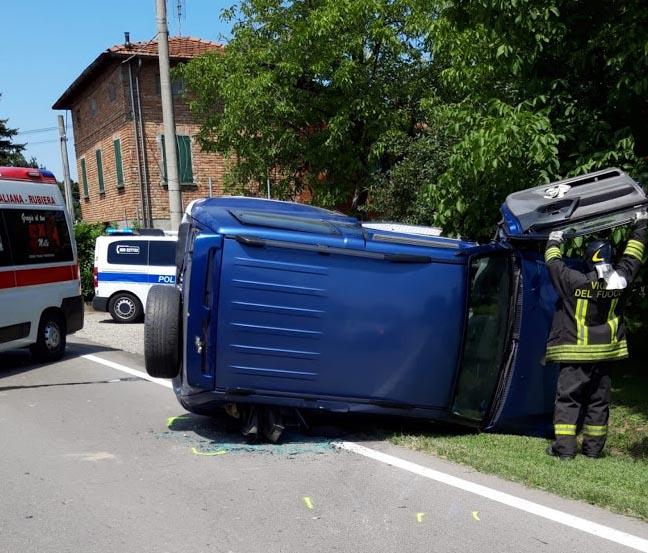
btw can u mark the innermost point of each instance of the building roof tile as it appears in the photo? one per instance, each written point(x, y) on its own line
point(181, 48)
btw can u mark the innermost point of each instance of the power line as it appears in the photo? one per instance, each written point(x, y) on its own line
point(42, 142)
point(35, 131)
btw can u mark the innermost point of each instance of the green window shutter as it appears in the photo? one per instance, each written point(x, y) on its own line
point(84, 178)
point(100, 178)
point(185, 170)
point(164, 163)
point(118, 163)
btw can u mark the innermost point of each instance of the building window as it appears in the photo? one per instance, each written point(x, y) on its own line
point(177, 87)
point(84, 178)
point(185, 169)
point(112, 91)
point(93, 107)
point(119, 169)
point(100, 179)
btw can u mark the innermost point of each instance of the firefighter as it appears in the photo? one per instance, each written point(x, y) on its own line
point(587, 333)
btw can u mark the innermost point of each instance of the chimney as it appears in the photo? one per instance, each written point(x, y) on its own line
point(127, 41)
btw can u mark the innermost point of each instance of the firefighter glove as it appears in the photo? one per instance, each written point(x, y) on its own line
point(641, 215)
point(556, 236)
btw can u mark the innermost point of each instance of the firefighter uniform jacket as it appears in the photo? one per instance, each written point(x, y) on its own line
point(587, 326)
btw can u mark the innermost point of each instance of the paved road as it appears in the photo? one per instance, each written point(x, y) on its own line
point(89, 464)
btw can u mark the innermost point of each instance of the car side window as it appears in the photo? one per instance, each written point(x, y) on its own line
point(162, 252)
point(128, 252)
point(486, 335)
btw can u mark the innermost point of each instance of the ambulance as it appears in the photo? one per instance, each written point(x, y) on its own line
point(40, 290)
point(126, 266)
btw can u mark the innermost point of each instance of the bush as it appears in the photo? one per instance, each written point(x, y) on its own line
point(86, 235)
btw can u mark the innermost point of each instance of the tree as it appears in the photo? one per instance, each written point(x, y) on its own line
point(307, 92)
point(535, 89)
point(10, 152)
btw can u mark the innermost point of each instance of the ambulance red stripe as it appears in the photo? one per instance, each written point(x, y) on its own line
point(32, 277)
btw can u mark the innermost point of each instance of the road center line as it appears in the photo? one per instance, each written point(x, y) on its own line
point(561, 517)
point(128, 370)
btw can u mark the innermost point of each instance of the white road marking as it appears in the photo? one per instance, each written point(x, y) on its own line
point(561, 517)
point(605, 532)
point(128, 370)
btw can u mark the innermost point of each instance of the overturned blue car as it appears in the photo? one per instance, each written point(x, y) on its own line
point(285, 306)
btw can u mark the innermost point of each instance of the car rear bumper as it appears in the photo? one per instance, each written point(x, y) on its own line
point(99, 303)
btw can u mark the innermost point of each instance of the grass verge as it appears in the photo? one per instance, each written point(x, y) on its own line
point(617, 481)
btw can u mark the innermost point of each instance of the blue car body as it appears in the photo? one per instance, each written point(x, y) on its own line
point(291, 305)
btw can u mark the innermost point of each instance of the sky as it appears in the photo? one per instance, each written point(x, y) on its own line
point(46, 44)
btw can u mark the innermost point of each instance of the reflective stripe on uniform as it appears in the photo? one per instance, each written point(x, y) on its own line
point(581, 327)
point(613, 321)
point(565, 429)
point(595, 430)
point(552, 253)
point(635, 249)
point(591, 352)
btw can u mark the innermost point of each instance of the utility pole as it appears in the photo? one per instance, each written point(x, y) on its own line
point(67, 183)
point(175, 196)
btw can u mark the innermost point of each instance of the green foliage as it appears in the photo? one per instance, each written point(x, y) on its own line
point(306, 90)
point(437, 109)
point(86, 235)
point(570, 80)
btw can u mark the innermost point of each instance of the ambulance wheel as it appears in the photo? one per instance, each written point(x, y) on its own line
point(125, 308)
point(163, 332)
point(50, 342)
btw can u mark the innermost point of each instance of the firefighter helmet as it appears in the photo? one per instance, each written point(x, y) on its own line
point(598, 251)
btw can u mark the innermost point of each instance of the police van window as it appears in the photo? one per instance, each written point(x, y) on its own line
point(5, 257)
point(162, 252)
point(38, 236)
point(128, 252)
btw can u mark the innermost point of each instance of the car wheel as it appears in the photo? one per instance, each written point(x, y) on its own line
point(51, 339)
point(125, 308)
point(163, 332)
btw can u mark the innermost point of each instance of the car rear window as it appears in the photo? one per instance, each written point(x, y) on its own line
point(128, 252)
point(284, 222)
point(38, 236)
point(162, 252)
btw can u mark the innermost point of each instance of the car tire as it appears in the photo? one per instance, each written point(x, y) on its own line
point(51, 339)
point(125, 308)
point(163, 332)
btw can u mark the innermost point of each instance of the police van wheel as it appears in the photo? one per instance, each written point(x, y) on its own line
point(125, 308)
point(163, 332)
point(51, 340)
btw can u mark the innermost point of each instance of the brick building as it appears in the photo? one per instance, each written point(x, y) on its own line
point(116, 111)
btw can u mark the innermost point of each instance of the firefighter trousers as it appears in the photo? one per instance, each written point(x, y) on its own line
point(582, 398)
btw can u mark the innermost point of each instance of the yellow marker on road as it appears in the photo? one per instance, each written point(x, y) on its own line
point(419, 517)
point(195, 451)
point(171, 420)
point(474, 515)
point(309, 502)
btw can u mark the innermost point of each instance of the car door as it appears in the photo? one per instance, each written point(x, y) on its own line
point(492, 282)
point(580, 205)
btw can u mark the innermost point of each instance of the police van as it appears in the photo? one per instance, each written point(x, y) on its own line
point(40, 291)
point(125, 267)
